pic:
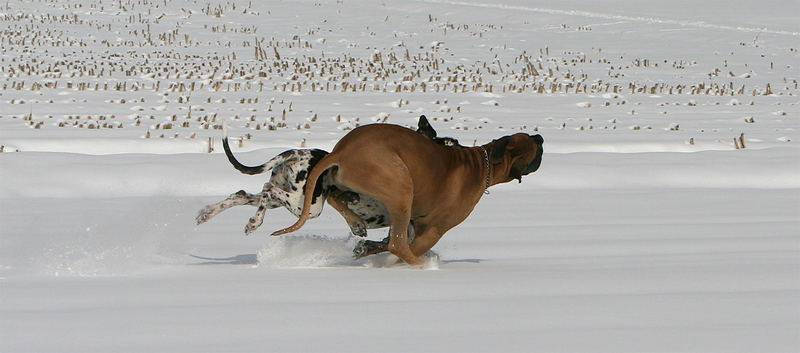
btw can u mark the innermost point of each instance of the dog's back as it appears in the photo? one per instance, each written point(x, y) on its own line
point(382, 140)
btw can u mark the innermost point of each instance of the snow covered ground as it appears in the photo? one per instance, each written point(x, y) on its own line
point(645, 229)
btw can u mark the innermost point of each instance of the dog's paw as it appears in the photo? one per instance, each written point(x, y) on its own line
point(203, 216)
point(360, 250)
point(250, 227)
point(359, 229)
point(369, 247)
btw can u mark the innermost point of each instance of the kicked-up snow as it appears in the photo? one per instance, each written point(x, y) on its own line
point(664, 217)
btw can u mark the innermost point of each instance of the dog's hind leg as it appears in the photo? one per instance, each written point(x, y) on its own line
point(338, 200)
point(394, 188)
point(236, 199)
point(370, 247)
point(400, 213)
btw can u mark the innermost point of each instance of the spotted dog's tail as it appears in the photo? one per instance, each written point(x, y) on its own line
point(239, 166)
point(330, 160)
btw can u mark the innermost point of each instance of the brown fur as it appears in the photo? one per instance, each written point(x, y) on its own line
point(436, 186)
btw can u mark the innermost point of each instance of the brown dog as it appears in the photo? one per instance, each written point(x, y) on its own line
point(435, 186)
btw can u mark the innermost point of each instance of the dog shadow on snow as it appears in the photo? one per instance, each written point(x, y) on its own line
point(244, 259)
point(316, 251)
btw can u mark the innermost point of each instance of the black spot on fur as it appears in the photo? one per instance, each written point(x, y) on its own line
point(301, 176)
point(316, 156)
point(351, 197)
point(446, 141)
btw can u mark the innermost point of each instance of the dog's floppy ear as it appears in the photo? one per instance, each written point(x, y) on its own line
point(499, 150)
point(425, 128)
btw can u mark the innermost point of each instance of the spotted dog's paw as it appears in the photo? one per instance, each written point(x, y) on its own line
point(369, 247)
point(360, 250)
point(251, 226)
point(204, 215)
point(359, 229)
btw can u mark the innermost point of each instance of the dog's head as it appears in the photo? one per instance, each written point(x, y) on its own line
point(425, 128)
point(516, 155)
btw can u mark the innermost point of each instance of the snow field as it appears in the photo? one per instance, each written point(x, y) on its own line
point(646, 229)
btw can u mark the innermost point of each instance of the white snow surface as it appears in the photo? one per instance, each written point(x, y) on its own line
point(645, 229)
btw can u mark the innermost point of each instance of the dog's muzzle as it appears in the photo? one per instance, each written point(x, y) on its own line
point(536, 162)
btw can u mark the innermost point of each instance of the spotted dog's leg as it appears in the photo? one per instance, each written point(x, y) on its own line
point(236, 199)
point(338, 200)
point(370, 247)
point(268, 199)
point(348, 197)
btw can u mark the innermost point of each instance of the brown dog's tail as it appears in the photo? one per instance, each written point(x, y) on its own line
point(326, 162)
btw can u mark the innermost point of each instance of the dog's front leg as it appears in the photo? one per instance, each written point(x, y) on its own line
point(266, 200)
point(371, 247)
point(236, 199)
point(425, 240)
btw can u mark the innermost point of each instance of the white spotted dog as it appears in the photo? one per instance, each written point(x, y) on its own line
point(425, 128)
point(285, 188)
